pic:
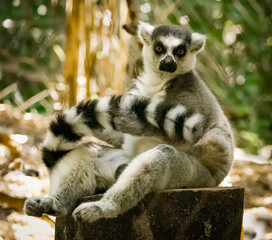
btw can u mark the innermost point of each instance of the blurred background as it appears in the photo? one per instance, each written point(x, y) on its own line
point(55, 53)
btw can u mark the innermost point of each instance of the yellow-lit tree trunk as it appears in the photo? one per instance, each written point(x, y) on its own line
point(96, 49)
point(90, 56)
point(72, 47)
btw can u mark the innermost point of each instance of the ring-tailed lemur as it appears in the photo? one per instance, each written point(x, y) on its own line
point(171, 130)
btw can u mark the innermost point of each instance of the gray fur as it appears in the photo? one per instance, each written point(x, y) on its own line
point(175, 135)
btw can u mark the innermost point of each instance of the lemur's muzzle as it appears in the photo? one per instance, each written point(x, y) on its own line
point(168, 64)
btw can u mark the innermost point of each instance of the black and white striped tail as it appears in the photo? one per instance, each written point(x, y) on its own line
point(66, 131)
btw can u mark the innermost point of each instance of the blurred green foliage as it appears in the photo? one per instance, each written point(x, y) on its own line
point(236, 63)
point(32, 32)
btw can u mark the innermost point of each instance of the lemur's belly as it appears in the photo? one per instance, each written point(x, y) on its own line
point(133, 146)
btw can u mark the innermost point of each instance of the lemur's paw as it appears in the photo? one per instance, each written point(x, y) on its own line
point(32, 207)
point(92, 211)
point(36, 206)
point(128, 123)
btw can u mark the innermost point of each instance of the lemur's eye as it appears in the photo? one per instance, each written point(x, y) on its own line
point(158, 49)
point(180, 52)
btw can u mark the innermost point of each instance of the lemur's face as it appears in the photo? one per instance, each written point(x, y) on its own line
point(170, 49)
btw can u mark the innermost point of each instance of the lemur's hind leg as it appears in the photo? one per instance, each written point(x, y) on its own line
point(80, 173)
point(150, 171)
point(147, 172)
point(73, 176)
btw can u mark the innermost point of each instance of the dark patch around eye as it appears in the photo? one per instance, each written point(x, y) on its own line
point(180, 47)
point(159, 44)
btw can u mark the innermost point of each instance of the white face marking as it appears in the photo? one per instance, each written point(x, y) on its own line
point(184, 64)
point(169, 122)
point(171, 42)
point(188, 61)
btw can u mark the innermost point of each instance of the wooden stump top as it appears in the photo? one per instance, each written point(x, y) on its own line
point(200, 213)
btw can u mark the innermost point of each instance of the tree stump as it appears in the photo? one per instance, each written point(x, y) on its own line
point(206, 213)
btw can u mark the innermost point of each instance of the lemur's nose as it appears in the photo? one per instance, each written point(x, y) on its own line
point(168, 64)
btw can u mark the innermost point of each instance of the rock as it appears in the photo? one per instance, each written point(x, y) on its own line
point(208, 213)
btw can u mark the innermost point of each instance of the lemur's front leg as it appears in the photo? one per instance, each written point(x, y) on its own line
point(130, 124)
point(153, 117)
point(147, 172)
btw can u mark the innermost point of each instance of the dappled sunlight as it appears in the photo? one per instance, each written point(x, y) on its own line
point(28, 228)
point(54, 54)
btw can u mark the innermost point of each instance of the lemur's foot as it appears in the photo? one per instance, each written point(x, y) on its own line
point(36, 206)
point(92, 211)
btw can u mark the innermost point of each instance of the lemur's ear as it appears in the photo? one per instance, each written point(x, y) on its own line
point(144, 32)
point(198, 42)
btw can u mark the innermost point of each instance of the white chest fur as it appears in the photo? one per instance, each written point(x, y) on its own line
point(149, 86)
point(151, 90)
